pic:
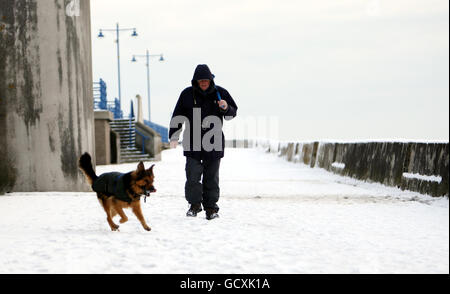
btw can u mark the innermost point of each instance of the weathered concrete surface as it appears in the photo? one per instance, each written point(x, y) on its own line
point(385, 162)
point(382, 162)
point(103, 137)
point(46, 104)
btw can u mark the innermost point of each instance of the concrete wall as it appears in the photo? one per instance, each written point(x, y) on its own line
point(103, 137)
point(115, 146)
point(386, 163)
point(46, 103)
point(153, 146)
point(382, 162)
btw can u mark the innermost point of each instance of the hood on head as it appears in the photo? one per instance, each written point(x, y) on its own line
point(202, 72)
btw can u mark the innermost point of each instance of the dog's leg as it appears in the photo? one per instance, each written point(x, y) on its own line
point(118, 206)
point(136, 207)
point(108, 205)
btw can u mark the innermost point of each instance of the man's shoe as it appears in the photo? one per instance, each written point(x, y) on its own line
point(195, 208)
point(211, 214)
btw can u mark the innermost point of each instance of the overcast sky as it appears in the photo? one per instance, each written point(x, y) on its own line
point(346, 70)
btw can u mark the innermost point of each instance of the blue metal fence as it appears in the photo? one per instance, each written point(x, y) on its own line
point(101, 100)
point(100, 95)
point(164, 132)
point(114, 107)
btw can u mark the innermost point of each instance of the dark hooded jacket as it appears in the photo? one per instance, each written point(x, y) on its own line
point(206, 101)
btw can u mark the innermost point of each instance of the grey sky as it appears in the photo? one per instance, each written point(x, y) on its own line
point(348, 69)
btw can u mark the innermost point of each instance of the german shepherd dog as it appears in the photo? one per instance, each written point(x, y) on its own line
point(116, 191)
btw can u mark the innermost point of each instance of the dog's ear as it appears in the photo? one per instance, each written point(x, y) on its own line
point(150, 170)
point(140, 168)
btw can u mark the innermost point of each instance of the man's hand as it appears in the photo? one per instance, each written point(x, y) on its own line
point(223, 104)
point(173, 144)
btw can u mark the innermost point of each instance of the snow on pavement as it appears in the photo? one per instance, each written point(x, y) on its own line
point(275, 217)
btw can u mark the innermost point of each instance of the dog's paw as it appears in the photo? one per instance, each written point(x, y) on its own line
point(147, 228)
point(123, 220)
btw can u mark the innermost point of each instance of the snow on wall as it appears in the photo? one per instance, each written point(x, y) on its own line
point(423, 177)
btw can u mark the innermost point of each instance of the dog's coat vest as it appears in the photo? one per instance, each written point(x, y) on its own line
point(112, 184)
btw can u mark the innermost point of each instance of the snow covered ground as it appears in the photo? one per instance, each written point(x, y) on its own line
point(275, 217)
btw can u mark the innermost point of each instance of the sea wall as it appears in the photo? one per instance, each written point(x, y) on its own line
point(417, 166)
point(46, 103)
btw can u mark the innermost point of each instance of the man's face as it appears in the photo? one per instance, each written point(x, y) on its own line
point(203, 84)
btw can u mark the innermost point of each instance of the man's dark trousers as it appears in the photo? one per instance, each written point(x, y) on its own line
point(204, 191)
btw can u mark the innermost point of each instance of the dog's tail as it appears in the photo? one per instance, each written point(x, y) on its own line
point(85, 164)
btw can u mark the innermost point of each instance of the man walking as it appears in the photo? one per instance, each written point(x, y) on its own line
point(203, 106)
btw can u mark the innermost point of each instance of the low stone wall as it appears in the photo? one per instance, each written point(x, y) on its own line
point(103, 137)
point(390, 163)
point(153, 145)
point(415, 166)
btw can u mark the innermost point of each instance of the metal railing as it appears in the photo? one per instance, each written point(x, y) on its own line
point(162, 131)
point(101, 100)
point(114, 107)
point(144, 137)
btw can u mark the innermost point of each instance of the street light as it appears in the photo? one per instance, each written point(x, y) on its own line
point(147, 56)
point(118, 30)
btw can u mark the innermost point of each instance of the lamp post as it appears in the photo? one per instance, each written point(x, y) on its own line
point(117, 30)
point(147, 56)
